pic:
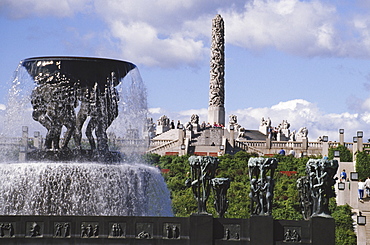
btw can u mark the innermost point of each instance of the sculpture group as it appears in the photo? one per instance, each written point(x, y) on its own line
point(203, 171)
point(261, 173)
point(315, 189)
point(68, 91)
point(54, 106)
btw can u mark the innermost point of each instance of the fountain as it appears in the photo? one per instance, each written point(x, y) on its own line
point(72, 96)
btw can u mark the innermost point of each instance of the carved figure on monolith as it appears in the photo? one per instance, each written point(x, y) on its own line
point(261, 172)
point(203, 170)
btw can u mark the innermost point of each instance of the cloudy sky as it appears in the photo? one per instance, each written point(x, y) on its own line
point(305, 61)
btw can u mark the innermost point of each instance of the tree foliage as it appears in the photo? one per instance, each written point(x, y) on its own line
point(344, 232)
point(345, 155)
point(363, 164)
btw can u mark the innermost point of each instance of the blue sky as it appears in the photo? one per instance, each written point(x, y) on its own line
point(304, 61)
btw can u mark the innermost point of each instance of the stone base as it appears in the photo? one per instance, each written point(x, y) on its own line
point(196, 229)
point(74, 155)
point(161, 129)
point(216, 115)
point(263, 129)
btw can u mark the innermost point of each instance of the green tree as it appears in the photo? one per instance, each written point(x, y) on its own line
point(345, 154)
point(152, 159)
point(363, 164)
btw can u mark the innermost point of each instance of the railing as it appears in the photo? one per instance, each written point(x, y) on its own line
point(10, 141)
point(129, 141)
point(159, 142)
point(242, 145)
point(285, 144)
point(254, 143)
point(167, 145)
point(314, 144)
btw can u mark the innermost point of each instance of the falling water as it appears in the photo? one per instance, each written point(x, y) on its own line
point(75, 188)
point(82, 189)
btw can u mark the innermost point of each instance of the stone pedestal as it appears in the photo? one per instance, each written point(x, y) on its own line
point(325, 148)
point(305, 143)
point(343, 196)
point(196, 127)
point(261, 230)
point(232, 138)
point(268, 143)
point(201, 229)
point(181, 136)
point(189, 134)
point(323, 231)
point(263, 129)
point(216, 115)
point(162, 128)
point(354, 194)
point(278, 137)
point(341, 139)
point(285, 132)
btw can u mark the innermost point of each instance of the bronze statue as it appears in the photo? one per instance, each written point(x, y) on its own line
point(64, 84)
point(203, 170)
point(261, 172)
point(320, 173)
point(220, 187)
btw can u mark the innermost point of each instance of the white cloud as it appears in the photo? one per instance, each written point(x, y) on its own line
point(300, 27)
point(28, 8)
point(174, 33)
point(301, 113)
point(141, 42)
point(155, 110)
point(2, 107)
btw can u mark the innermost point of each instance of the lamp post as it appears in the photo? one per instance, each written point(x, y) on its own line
point(341, 186)
point(354, 139)
point(360, 134)
point(353, 176)
point(231, 136)
point(325, 138)
point(341, 136)
point(36, 139)
point(361, 228)
point(336, 153)
point(325, 146)
point(361, 220)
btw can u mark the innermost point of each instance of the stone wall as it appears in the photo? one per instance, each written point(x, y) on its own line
point(193, 230)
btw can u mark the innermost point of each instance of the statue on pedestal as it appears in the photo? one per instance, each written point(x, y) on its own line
point(194, 119)
point(261, 172)
point(301, 134)
point(317, 187)
point(203, 170)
